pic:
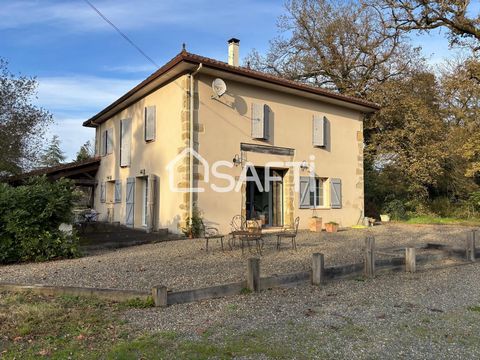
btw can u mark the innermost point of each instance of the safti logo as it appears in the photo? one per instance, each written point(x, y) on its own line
point(213, 172)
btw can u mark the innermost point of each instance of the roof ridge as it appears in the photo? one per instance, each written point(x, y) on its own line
point(240, 70)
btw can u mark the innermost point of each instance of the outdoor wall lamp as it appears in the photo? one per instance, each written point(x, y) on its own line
point(304, 166)
point(237, 160)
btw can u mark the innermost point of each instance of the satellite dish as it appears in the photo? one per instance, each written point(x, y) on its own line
point(219, 87)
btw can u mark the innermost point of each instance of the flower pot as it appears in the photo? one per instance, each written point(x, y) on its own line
point(385, 218)
point(331, 228)
point(315, 224)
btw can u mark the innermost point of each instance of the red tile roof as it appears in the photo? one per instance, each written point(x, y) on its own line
point(220, 65)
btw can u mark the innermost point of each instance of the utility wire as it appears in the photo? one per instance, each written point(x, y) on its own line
point(121, 33)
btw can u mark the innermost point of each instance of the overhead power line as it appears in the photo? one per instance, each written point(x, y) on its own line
point(121, 33)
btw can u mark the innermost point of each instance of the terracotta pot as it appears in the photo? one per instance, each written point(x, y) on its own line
point(315, 224)
point(331, 228)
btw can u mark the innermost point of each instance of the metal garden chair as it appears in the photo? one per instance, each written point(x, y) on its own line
point(289, 234)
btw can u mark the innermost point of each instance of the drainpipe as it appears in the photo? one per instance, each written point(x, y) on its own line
point(191, 145)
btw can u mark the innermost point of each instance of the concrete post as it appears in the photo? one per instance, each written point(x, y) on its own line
point(470, 246)
point(369, 256)
point(410, 260)
point(317, 268)
point(159, 294)
point(253, 274)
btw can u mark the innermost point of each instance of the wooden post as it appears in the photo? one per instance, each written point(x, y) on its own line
point(159, 294)
point(369, 256)
point(410, 260)
point(317, 268)
point(253, 274)
point(470, 246)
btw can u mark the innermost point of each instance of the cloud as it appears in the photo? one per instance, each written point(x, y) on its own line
point(77, 15)
point(74, 99)
point(72, 135)
point(80, 93)
point(131, 69)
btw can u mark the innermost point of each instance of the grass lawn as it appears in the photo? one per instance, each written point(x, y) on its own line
point(65, 327)
point(442, 221)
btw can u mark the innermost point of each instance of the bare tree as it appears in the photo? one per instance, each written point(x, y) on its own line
point(407, 15)
point(341, 45)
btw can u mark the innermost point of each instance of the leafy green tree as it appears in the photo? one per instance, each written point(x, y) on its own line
point(86, 152)
point(22, 124)
point(53, 154)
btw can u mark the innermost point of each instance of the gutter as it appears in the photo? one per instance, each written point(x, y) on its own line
point(191, 140)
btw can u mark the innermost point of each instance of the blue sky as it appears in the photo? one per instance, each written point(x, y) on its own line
point(82, 64)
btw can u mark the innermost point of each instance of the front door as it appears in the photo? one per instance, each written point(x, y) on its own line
point(265, 203)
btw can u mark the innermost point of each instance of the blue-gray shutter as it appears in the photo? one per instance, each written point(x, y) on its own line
point(152, 202)
point(266, 121)
point(319, 130)
point(103, 192)
point(103, 143)
point(304, 193)
point(109, 140)
point(130, 201)
point(258, 114)
point(336, 193)
point(118, 191)
point(150, 119)
point(125, 141)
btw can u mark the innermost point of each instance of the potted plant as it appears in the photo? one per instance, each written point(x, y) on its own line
point(331, 227)
point(315, 223)
point(384, 217)
point(193, 226)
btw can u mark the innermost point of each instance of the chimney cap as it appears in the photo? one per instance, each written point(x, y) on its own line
point(234, 40)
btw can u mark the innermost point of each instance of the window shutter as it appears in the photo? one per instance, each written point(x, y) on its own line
point(319, 130)
point(305, 190)
point(150, 119)
point(109, 137)
point(103, 142)
point(336, 193)
point(118, 191)
point(102, 192)
point(266, 121)
point(258, 129)
point(125, 141)
point(130, 202)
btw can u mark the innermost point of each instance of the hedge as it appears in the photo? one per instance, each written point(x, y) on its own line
point(30, 216)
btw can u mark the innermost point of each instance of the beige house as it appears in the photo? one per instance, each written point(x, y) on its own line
point(175, 132)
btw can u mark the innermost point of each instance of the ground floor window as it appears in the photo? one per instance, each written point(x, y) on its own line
point(312, 192)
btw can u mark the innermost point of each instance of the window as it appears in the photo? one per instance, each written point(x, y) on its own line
point(312, 192)
point(150, 119)
point(260, 121)
point(107, 141)
point(118, 191)
point(125, 141)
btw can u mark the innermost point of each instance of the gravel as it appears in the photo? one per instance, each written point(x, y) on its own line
point(184, 264)
point(426, 315)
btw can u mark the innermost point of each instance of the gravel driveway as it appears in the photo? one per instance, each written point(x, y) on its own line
point(184, 264)
point(431, 314)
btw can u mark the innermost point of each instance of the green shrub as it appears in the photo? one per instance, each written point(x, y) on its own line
point(396, 209)
point(193, 226)
point(30, 216)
